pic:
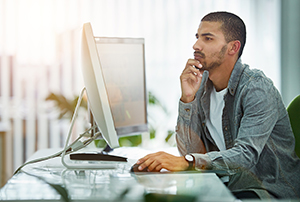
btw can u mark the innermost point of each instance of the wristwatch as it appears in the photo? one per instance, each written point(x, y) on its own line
point(191, 160)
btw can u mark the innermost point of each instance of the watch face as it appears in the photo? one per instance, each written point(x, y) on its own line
point(189, 157)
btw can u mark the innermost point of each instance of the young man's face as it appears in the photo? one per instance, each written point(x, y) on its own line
point(210, 47)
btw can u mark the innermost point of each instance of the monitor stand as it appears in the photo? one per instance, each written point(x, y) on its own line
point(107, 149)
point(93, 156)
point(88, 160)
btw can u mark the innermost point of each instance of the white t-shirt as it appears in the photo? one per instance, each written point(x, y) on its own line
point(214, 122)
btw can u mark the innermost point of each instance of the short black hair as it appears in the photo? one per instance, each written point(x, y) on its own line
point(232, 26)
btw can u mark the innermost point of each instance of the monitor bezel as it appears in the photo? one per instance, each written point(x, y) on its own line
point(95, 87)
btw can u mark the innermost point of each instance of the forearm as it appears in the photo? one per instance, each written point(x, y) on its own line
point(187, 129)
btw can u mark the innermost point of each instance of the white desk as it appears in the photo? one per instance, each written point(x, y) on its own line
point(109, 185)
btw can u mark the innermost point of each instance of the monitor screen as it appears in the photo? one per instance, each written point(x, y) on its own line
point(122, 62)
point(114, 77)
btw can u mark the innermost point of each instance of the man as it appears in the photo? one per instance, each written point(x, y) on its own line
point(231, 118)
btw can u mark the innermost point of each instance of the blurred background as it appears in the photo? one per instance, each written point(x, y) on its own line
point(40, 59)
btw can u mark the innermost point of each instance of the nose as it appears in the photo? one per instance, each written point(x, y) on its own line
point(197, 45)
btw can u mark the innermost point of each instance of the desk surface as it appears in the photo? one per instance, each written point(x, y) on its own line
point(109, 185)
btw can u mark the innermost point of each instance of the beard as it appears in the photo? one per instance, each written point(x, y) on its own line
point(217, 62)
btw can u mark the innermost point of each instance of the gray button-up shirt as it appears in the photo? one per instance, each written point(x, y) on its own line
point(259, 140)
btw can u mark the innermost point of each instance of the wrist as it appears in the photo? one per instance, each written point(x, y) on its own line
point(190, 159)
point(187, 99)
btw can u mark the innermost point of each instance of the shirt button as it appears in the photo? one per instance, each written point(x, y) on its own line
point(187, 110)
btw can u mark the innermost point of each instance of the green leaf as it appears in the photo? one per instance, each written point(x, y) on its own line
point(66, 106)
point(170, 134)
point(152, 133)
point(152, 100)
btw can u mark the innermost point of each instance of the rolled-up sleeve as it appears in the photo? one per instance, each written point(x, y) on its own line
point(183, 137)
point(187, 134)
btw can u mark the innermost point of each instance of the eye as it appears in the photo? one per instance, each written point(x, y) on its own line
point(208, 38)
point(196, 35)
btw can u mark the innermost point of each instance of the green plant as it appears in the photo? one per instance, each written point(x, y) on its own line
point(67, 107)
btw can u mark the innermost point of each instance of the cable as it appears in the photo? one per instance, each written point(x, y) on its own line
point(75, 146)
point(74, 117)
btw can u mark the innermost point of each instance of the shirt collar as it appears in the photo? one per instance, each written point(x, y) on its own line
point(235, 76)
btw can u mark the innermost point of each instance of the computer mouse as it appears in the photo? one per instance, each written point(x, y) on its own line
point(135, 169)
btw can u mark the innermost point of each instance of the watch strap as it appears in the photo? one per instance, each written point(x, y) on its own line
point(191, 162)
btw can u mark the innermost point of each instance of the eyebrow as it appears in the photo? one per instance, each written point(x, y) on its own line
point(207, 34)
point(204, 34)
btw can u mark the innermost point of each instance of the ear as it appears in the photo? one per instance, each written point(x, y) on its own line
point(234, 47)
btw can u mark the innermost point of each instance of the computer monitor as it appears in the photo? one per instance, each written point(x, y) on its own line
point(114, 76)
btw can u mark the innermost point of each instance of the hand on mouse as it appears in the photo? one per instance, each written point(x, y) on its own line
point(159, 160)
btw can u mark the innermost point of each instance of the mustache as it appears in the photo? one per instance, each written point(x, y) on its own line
point(199, 53)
